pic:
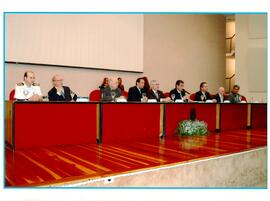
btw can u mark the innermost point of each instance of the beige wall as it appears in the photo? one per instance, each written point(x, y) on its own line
point(188, 47)
point(76, 40)
point(251, 55)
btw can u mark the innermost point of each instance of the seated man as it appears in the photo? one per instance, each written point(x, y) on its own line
point(178, 92)
point(235, 97)
point(60, 92)
point(220, 96)
point(28, 89)
point(111, 92)
point(135, 93)
point(155, 93)
point(203, 95)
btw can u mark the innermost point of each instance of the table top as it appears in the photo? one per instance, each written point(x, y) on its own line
point(132, 102)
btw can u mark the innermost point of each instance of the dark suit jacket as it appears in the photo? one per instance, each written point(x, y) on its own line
point(53, 96)
point(234, 98)
point(177, 94)
point(151, 95)
point(217, 97)
point(134, 94)
point(106, 93)
point(199, 94)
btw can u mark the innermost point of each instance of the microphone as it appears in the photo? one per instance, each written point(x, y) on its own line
point(186, 91)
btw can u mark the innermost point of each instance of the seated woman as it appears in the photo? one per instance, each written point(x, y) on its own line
point(120, 84)
point(146, 84)
point(105, 83)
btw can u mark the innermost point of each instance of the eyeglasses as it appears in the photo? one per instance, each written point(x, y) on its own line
point(57, 80)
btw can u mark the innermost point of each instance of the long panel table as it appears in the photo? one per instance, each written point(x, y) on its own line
point(37, 124)
point(176, 112)
point(46, 123)
point(130, 121)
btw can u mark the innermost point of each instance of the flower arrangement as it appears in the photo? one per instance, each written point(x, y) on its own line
point(192, 127)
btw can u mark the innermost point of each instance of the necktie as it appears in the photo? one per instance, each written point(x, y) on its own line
point(157, 95)
point(63, 94)
point(180, 95)
point(221, 98)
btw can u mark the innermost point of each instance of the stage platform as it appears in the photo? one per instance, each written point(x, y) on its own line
point(234, 158)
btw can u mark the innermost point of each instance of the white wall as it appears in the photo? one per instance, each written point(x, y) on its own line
point(188, 47)
point(251, 55)
point(97, 41)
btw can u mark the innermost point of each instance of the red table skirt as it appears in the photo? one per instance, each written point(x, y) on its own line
point(54, 124)
point(59, 123)
point(178, 112)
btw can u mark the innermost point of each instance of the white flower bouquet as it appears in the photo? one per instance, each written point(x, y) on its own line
point(192, 128)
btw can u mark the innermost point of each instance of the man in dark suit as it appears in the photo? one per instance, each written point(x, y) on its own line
point(235, 97)
point(136, 93)
point(60, 92)
point(220, 96)
point(178, 92)
point(203, 95)
point(155, 93)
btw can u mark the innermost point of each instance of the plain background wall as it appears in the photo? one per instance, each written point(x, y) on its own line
point(76, 40)
point(251, 55)
point(188, 47)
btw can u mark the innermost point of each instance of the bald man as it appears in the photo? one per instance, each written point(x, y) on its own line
point(111, 92)
point(28, 89)
point(220, 96)
point(60, 92)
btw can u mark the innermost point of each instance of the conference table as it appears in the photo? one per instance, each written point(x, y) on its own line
point(38, 124)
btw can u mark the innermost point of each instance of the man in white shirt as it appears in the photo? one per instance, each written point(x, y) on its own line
point(28, 89)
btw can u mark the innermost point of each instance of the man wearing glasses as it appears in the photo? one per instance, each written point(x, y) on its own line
point(60, 92)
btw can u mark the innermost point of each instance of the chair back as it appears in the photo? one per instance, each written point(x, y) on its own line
point(11, 95)
point(95, 95)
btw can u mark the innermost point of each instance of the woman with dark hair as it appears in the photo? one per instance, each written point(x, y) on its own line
point(120, 84)
point(146, 83)
point(105, 83)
